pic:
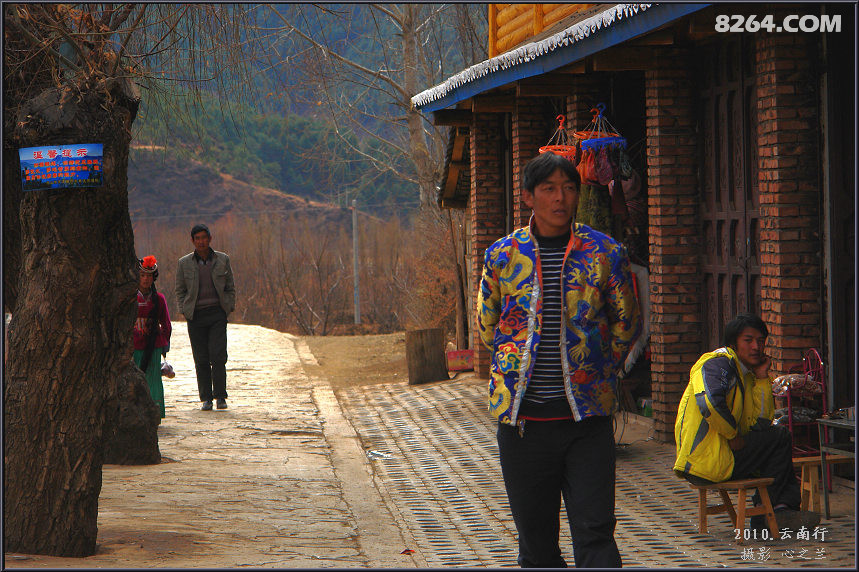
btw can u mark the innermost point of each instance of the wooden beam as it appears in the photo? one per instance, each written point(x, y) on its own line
point(459, 141)
point(538, 19)
point(658, 38)
point(626, 59)
point(703, 24)
point(579, 67)
point(453, 171)
point(546, 85)
point(493, 104)
point(452, 117)
point(446, 203)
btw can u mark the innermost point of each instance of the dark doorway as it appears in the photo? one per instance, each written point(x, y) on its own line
point(839, 120)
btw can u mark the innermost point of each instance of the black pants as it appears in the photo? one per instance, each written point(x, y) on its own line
point(766, 453)
point(555, 458)
point(208, 333)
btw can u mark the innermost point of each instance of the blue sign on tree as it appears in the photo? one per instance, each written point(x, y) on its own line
point(61, 166)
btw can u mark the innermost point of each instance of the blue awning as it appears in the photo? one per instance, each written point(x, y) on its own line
point(611, 27)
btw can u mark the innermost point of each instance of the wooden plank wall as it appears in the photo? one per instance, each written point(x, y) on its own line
point(512, 24)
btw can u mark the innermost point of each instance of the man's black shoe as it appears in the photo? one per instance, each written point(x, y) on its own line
point(207, 406)
point(793, 520)
point(758, 522)
point(222, 403)
point(787, 518)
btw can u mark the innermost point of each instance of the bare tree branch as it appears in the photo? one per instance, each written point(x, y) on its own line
point(330, 53)
point(40, 44)
point(140, 16)
point(118, 18)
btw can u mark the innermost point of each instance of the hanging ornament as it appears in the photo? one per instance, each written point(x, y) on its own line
point(599, 133)
point(560, 143)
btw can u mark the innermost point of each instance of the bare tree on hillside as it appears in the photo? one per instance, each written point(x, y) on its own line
point(71, 75)
point(312, 275)
point(410, 47)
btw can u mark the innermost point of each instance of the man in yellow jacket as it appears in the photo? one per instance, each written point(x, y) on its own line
point(724, 427)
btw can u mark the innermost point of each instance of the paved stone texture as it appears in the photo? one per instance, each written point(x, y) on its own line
point(292, 476)
point(434, 449)
point(258, 484)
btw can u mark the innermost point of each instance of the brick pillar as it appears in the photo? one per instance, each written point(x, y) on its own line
point(589, 89)
point(485, 207)
point(788, 151)
point(676, 320)
point(532, 128)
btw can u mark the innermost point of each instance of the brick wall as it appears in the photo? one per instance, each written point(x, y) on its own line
point(532, 128)
point(675, 291)
point(788, 150)
point(590, 90)
point(485, 207)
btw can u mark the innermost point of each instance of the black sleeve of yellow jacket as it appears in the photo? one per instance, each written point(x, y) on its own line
point(720, 378)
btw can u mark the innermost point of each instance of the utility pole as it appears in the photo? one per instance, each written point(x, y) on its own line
point(355, 259)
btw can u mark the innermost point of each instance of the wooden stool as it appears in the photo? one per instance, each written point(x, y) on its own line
point(809, 482)
point(738, 516)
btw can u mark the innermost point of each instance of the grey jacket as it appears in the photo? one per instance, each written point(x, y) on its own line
point(188, 283)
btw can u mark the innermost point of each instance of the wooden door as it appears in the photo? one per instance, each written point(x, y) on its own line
point(729, 206)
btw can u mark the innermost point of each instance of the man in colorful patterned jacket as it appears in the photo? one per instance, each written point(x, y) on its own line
point(557, 308)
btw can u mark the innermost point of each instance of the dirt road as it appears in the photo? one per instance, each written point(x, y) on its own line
point(280, 479)
point(277, 480)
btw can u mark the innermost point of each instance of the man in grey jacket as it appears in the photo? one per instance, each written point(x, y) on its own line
point(206, 295)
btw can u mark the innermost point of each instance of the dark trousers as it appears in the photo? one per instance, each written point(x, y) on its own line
point(766, 453)
point(551, 459)
point(208, 333)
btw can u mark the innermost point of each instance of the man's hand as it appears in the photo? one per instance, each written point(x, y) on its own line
point(763, 370)
point(736, 443)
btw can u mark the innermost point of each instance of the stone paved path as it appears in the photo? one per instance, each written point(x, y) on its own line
point(263, 483)
point(292, 476)
point(433, 449)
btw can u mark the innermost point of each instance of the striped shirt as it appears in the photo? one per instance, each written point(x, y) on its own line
point(545, 396)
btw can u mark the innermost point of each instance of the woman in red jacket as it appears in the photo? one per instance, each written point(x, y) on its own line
point(151, 330)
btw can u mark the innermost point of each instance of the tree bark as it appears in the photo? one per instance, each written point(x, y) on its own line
point(461, 323)
point(420, 154)
point(456, 240)
point(131, 424)
point(70, 335)
point(11, 225)
point(425, 357)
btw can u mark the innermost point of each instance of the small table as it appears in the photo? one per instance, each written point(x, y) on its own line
point(842, 448)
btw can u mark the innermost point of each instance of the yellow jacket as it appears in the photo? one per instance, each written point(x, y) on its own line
point(723, 400)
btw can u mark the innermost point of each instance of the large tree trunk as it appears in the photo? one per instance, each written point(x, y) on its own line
point(461, 315)
point(457, 256)
point(70, 336)
point(11, 226)
point(420, 154)
point(131, 424)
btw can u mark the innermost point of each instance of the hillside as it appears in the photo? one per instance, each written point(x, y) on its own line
point(162, 186)
point(299, 156)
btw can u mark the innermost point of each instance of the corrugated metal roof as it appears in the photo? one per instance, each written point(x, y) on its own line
point(610, 27)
